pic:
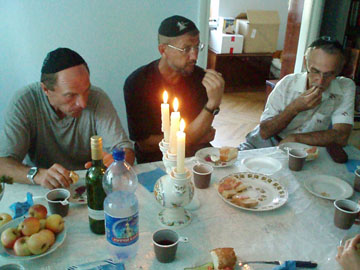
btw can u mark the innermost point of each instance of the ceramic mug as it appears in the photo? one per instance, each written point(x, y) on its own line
point(202, 175)
point(297, 159)
point(58, 201)
point(346, 211)
point(165, 243)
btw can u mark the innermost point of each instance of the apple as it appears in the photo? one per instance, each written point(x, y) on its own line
point(42, 223)
point(21, 246)
point(9, 236)
point(4, 218)
point(29, 226)
point(38, 243)
point(38, 210)
point(55, 223)
point(49, 235)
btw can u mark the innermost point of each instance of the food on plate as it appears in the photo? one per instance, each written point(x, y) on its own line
point(74, 177)
point(4, 218)
point(337, 153)
point(325, 194)
point(214, 158)
point(312, 152)
point(244, 201)
point(38, 210)
point(30, 237)
point(223, 258)
point(206, 266)
point(231, 186)
point(228, 153)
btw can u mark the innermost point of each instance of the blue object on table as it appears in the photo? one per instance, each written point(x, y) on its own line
point(287, 265)
point(99, 265)
point(21, 208)
point(148, 179)
point(352, 165)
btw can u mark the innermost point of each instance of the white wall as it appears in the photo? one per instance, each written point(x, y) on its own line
point(231, 8)
point(114, 37)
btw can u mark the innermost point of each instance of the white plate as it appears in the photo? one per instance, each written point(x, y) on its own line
point(269, 192)
point(328, 187)
point(10, 254)
point(264, 165)
point(78, 191)
point(294, 145)
point(203, 154)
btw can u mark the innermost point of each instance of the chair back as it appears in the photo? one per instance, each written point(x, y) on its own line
point(351, 66)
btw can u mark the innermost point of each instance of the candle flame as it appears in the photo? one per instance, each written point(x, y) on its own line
point(176, 105)
point(165, 96)
point(182, 125)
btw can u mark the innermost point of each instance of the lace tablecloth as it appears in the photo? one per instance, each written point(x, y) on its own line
point(302, 229)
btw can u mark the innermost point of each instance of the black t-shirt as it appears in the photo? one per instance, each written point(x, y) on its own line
point(143, 92)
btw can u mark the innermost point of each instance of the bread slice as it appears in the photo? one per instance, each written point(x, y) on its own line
point(223, 258)
point(227, 194)
point(74, 176)
point(244, 201)
point(228, 153)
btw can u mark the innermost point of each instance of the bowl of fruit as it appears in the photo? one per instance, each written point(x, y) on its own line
point(31, 237)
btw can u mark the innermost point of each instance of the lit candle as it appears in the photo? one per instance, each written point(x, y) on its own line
point(180, 158)
point(165, 119)
point(174, 126)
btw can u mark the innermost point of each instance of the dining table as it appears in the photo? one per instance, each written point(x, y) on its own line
point(300, 229)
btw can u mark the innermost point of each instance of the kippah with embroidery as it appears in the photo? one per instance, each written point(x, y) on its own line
point(176, 26)
point(60, 59)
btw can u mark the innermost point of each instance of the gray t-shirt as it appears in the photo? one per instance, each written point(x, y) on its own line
point(33, 132)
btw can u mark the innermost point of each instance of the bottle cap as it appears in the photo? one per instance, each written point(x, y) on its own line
point(118, 154)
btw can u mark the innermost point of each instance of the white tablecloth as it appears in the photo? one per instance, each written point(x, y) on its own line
point(302, 229)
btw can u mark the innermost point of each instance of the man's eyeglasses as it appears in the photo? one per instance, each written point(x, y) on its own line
point(317, 73)
point(188, 49)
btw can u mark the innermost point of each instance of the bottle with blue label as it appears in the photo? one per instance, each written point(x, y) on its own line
point(121, 207)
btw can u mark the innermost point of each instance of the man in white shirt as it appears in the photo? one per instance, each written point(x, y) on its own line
point(315, 107)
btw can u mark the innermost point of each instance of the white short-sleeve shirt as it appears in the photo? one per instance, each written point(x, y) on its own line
point(337, 105)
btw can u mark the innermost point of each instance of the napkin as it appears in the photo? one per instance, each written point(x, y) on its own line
point(287, 265)
point(352, 165)
point(148, 179)
point(21, 208)
point(99, 265)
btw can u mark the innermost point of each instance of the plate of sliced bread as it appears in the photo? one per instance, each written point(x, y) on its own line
point(217, 157)
point(252, 191)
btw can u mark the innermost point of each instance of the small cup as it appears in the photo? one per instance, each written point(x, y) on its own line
point(12, 266)
point(202, 175)
point(58, 201)
point(346, 211)
point(357, 180)
point(165, 243)
point(297, 159)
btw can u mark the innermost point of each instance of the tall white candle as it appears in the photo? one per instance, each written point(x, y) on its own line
point(165, 117)
point(180, 158)
point(174, 126)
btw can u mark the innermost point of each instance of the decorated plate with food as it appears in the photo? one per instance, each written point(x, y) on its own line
point(9, 253)
point(217, 157)
point(264, 165)
point(328, 187)
point(313, 151)
point(78, 190)
point(252, 191)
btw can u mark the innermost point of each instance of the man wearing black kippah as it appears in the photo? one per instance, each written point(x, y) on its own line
point(199, 91)
point(48, 124)
point(315, 107)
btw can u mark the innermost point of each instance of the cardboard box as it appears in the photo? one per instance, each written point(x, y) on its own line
point(225, 43)
point(226, 25)
point(260, 29)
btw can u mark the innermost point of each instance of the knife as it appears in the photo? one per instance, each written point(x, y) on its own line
point(304, 264)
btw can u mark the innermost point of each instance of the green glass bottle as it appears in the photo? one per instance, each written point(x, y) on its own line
point(94, 189)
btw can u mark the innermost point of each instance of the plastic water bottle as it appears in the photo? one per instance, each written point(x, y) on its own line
point(121, 208)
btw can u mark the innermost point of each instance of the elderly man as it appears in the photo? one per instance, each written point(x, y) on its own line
point(199, 92)
point(49, 123)
point(315, 107)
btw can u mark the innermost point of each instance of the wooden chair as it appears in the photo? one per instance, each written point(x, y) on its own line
point(351, 66)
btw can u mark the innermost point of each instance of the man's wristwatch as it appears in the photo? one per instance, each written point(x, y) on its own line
point(214, 111)
point(31, 174)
